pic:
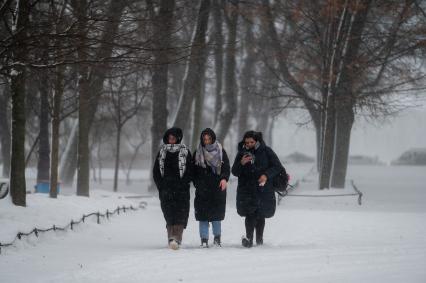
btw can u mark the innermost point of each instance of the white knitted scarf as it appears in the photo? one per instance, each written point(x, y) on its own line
point(183, 153)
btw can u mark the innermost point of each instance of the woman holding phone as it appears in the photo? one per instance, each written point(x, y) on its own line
point(255, 165)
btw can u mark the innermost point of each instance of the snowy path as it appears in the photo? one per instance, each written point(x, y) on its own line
point(308, 240)
point(301, 246)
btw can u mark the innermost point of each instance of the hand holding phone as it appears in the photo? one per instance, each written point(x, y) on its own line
point(246, 159)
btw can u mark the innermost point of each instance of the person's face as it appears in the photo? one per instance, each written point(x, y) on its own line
point(172, 139)
point(249, 143)
point(207, 139)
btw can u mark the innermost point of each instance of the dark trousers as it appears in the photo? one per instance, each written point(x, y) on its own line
point(254, 222)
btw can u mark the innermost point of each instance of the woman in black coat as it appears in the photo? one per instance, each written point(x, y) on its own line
point(255, 166)
point(172, 174)
point(211, 174)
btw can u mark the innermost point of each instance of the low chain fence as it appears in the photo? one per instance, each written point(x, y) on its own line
point(70, 226)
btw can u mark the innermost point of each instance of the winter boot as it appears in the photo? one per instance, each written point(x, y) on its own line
point(174, 244)
point(247, 242)
point(216, 241)
point(204, 243)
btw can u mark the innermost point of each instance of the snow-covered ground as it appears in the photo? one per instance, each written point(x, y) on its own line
point(308, 240)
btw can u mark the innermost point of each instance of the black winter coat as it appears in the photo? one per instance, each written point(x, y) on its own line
point(253, 199)
point(210, 200)
point(174, 190)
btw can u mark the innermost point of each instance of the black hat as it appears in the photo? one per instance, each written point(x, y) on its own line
point(209, 132)
point(176, 132)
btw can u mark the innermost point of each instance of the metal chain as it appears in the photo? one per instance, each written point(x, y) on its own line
point(107, 214)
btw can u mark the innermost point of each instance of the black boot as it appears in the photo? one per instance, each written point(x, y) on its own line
point(247, 242)
point(204, 243)
point(216, 241)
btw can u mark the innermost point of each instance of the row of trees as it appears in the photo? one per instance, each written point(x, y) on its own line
point(343, 58)
point(85, 68)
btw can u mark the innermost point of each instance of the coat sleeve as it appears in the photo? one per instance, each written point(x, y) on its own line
point(226, 168)
point(237, 167)
point(195, 172)
point(275, 166)
point(156, 173)
point(189, 172)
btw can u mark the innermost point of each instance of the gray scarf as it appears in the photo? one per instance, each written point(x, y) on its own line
point(183, 153)
point(211, 155)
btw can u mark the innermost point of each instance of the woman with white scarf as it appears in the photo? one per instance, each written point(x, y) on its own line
point(211, 175)
point(172, 175)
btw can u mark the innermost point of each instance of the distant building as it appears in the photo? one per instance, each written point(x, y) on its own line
point(364, 160)
point(414, 156)
point(297, 157)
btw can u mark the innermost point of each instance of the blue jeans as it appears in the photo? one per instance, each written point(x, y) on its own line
point(204, 229)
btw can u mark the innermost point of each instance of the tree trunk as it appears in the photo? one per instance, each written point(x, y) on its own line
point(83, 169)
point(230, 96)
point(17, 168)
point(43, 166)
point(83, 103)
point(195, 67)
point(163, 25)
point(318, 138)
point(344, 96)
point(69, 158)
point(198, 118)
point(57, 99)
point(247, 84)
point(18, 80)
point(262, 115)
point(344, 120)
point(269, 132)
point(328, 144)
point(100, 166)
point(5, 129)
point(117, 157)
point(98, 74)
point(218, 57)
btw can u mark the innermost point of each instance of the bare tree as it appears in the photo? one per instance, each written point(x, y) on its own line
point(338, 51)
point(96, 72)
point(163, 29)
point(218, 55)
point(17, 78)
point(247, 78)
point(195, 67)
point(230, 91)
point(125, 104)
